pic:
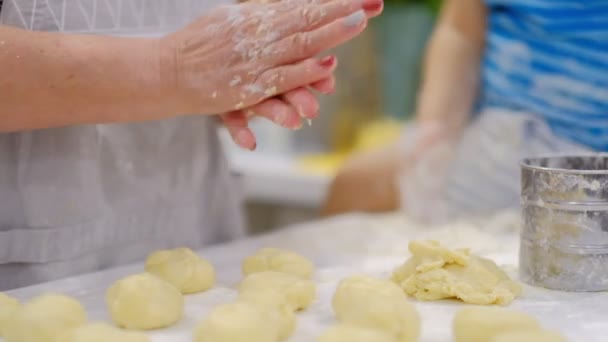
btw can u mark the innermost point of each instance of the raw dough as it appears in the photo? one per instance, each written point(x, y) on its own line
point(273, 259)
point(44, 319)
point(435, 272)
point(482, 324)
point(297, 293)
point(144, 301)
point(351, 333)
point(101, 332)
point(530, 336)
point(277, 305)
point(8, 307)
point(237, 322)
point(183, 268)
point(376, 304)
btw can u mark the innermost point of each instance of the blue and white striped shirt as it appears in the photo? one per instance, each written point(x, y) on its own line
point(550, 58)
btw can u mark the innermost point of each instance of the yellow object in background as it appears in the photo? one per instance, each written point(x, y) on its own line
point(377, 134)
point(322, 164)
point(368, 137)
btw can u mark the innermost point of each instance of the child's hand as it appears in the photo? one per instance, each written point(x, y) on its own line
point(427, 150)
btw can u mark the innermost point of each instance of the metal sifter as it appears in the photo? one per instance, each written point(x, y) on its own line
point(564, 238)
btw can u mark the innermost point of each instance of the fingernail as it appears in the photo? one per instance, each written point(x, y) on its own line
point(298, 126)
point(328, 62)
point(282, 119)
point(301, 112)
point(328, 91)
point(255, 145)
point(355, 19)
point(373, 5)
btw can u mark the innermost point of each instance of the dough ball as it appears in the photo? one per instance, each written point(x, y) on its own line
point(277, 305)
point(44, 319)
point(183, 268)
point(482, 324)
point(144, 301)
point(295, 292)
point(530, 336)
point(376, 304)
point(238, 322)
point(272, 259)
point(351, 333)
point(435, 272)
point(101, 332)
point(8, 308)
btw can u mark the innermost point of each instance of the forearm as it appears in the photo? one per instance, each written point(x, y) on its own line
point(52, 79)
point(451, 70)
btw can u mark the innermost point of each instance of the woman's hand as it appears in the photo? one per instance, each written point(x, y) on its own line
point(287, 110)
point(238, 56)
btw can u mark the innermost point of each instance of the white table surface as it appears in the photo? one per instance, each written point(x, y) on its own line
point(358, 244)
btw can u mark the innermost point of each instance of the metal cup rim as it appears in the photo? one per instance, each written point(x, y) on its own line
point(524, 163)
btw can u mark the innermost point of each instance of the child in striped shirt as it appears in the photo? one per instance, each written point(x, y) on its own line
point(503, 80)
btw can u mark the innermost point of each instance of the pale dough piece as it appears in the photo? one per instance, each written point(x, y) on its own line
point(101, 332)
point(376, 304)
point(297, 293)
point(44, 319)
point(277, 305)
point(482, 324)
point(8, 308)
point(273, 259)
point(183, 268)
point(351, 333)
point(144, 301)
point(237, 322)
point(530, 336)
point(435, 272)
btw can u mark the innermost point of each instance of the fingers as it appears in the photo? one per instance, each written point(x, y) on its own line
point(277, 111)
point(289, 77)
point(237, 125)
point(302, 45)
point(326, 86)
point(303, 101)
point(288, 110)
point(298, 18)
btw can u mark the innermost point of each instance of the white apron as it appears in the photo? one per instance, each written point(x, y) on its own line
point(83, 198)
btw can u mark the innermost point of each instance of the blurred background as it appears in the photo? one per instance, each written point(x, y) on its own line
point(285, 180)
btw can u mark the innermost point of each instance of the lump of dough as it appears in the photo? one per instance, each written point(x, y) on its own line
point(530, 336)
point(435, 272)
point(296, 293)
point(8, 308)
point(351, 333)
point(183, 268)
point(101, 332)
point(44, 319)
point(277, 305)
point(144, 301)
point(482, 324)
point(376, 304)
point(273, 259)
point(237, 322)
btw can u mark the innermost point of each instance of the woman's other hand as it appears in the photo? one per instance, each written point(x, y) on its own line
point(287, 110)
